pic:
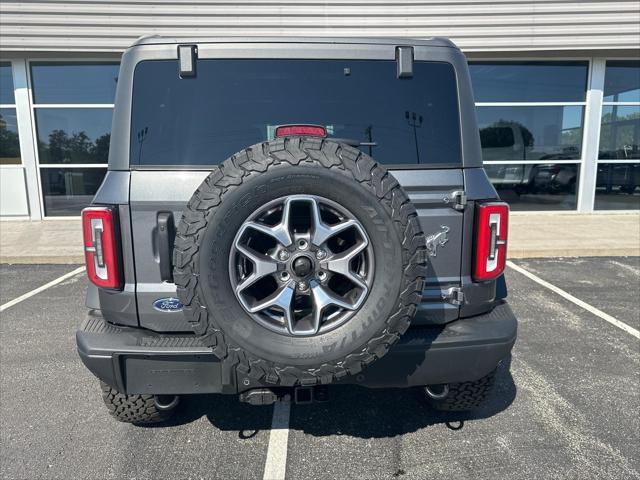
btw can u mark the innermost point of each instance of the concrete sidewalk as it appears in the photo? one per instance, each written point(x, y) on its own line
point(531, 235)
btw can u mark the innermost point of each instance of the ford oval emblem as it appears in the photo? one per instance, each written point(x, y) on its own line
point(168, 305)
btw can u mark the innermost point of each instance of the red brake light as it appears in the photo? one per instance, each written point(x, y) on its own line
point(492, 226)
point(301, 130)
point(101, 247)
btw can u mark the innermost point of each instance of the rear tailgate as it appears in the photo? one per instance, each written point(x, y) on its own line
point(156, 195)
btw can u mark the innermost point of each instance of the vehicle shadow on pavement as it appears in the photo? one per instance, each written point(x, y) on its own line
point(351, 410)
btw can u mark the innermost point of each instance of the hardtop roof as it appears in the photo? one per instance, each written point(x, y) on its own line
point(418, 42)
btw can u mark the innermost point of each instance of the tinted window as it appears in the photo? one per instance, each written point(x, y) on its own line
point(620, 132)
point(9, 141)
point(618, 186)
point(73, 135)
point(6, 84)
point(67, 191)
point(622, 81)
point(74, 82)
point(530, 133)
point(529, 81)
point(536, 187)
point(233, 104)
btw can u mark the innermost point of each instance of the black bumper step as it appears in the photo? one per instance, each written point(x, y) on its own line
point(140, 361)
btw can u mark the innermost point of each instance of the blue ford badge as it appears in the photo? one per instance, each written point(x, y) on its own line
point(168, 305)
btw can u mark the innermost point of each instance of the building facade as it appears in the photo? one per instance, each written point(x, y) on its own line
point(557, 87)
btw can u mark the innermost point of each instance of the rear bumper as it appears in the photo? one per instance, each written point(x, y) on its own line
point(140, 361)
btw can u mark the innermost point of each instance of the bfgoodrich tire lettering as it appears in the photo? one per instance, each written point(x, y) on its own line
point(276, 169)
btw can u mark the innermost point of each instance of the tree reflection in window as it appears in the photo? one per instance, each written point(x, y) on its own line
point(9, 141)
point(75, 148)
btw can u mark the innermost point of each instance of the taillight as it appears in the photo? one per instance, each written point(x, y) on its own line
point(101, 247)
point(492, 226)
point(301, 130)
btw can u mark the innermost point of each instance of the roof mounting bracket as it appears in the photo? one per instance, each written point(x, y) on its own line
point(187, 55)
point(404, 60)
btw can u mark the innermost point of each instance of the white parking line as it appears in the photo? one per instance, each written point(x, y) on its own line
point(41, 289)
point(276, 466)
point(605, 316)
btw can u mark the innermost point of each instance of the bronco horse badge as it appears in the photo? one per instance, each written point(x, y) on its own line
point(437, 239)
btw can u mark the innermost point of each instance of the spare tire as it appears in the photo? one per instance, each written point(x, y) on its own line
point(299, 261)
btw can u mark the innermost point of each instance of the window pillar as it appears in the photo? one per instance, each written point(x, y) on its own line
point(25, 133)
point(591, 138)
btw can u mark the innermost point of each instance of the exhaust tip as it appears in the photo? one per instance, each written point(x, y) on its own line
point(166, 402)
point(437, 392)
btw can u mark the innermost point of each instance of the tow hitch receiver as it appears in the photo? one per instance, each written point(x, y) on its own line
point(299, 395)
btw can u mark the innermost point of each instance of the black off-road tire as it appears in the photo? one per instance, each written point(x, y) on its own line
point(464, 396)
point(292, 166)
point(137, 409)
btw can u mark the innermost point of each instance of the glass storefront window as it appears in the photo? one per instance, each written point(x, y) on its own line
point(618, 186)
point(74, 82)
point(67, 191)
point(531, 133)
point(527, 187)
point(73, 135)
point(529, 81)
point(622, 81)
point(620, 132)
point(6, 84)
point(9, 142)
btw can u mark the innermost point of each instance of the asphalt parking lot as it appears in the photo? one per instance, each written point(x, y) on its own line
point(567, 408)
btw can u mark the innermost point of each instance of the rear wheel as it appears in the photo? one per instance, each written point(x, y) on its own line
point(459, 397)
point(138, 409)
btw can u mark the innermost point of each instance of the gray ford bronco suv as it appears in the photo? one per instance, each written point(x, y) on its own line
point(280, 215)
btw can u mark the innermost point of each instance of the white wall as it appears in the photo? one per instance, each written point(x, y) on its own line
point(475, 25)
point(13, 192)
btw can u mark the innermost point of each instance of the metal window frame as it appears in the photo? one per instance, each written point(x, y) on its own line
point(34, 135)
point(599, 161)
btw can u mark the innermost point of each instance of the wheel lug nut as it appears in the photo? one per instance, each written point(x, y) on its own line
point(302, 244)
point(283, 255)
point(284, 275)
point(322, 275)
point(302, 287)
point(321, 254)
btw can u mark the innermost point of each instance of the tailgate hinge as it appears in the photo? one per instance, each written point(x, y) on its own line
point(454, 296)
point(456, 199)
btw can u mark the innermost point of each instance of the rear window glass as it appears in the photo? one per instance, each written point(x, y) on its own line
point(232, 104)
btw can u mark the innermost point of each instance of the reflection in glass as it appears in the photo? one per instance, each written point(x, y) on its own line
point(618, 186)
point(73, 135)
point(67, 191)
point(622, 81)
point(55, 82)
point(9, 141)
point(399, 121)
point(530, 133)
point(620, 132)
point(537, 186)
point(529, 81)
point(6, 84)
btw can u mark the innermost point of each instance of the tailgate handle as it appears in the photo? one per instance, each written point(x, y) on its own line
point(166, 236)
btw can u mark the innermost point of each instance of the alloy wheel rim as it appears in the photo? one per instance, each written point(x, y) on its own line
point(301, 265)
